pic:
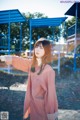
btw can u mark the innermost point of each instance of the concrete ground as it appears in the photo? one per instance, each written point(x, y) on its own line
point(64, 114)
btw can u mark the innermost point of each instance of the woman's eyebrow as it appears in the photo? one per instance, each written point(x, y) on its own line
point(39, 45)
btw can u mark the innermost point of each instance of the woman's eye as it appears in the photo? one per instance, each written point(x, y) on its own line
point(41, 47)
point(36, 47)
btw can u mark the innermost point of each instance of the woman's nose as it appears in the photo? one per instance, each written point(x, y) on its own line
point(38, 48)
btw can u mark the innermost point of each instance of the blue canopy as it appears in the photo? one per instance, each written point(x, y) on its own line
point(9, 16)
point(72, 10)
point(43, 22)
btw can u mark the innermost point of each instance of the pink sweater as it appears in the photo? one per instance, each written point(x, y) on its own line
point(40, 99)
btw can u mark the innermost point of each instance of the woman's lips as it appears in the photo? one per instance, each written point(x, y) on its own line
point(37, 54)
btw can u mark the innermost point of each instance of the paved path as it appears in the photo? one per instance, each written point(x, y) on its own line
point(69, 114)
point(12, 93)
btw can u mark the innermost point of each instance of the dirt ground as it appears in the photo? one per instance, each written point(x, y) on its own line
point(13, 88)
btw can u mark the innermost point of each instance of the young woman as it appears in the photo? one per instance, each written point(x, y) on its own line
point(40, 99)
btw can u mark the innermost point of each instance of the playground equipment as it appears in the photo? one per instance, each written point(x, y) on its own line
point(43, 23)
point(74, 34)
point(8, 17)
point(58, 51)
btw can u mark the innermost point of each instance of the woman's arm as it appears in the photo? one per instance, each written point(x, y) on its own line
point(19, 63)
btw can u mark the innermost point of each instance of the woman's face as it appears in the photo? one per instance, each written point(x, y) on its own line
point(39, 51)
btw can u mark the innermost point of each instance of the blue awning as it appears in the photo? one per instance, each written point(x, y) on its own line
point(44, 22)
point(11, 16)
point(72, 10)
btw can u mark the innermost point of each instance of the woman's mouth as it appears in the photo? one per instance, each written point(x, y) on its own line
point(37, 53)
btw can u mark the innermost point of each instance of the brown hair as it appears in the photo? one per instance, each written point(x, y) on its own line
point(47, 58)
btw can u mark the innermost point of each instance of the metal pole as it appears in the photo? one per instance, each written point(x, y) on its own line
point(75, 42)
point(53, 33)
point(9, 41)
point(30, 38)
point(20, 37)
point(59, 53)
point(9, 35)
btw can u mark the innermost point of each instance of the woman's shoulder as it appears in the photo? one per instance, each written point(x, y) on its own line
point(48, 68)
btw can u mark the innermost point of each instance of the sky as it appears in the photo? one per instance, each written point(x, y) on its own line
point(50, 8)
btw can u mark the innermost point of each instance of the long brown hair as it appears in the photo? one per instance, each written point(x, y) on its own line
point(47, 58)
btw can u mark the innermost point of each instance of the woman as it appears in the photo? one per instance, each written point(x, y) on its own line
point(40, 99)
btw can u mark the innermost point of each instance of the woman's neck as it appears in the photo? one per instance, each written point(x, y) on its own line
point(39, 61)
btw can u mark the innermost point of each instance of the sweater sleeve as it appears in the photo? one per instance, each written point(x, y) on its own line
point(27, 99)
point(20, 63)
point(51, 100)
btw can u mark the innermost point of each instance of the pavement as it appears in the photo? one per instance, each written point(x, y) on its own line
point(64, 114)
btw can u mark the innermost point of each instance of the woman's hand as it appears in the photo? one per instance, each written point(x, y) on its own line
point(7, 59)
point(25, 115)
point(2, 58)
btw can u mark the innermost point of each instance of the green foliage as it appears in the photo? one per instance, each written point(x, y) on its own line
point(70, 22)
